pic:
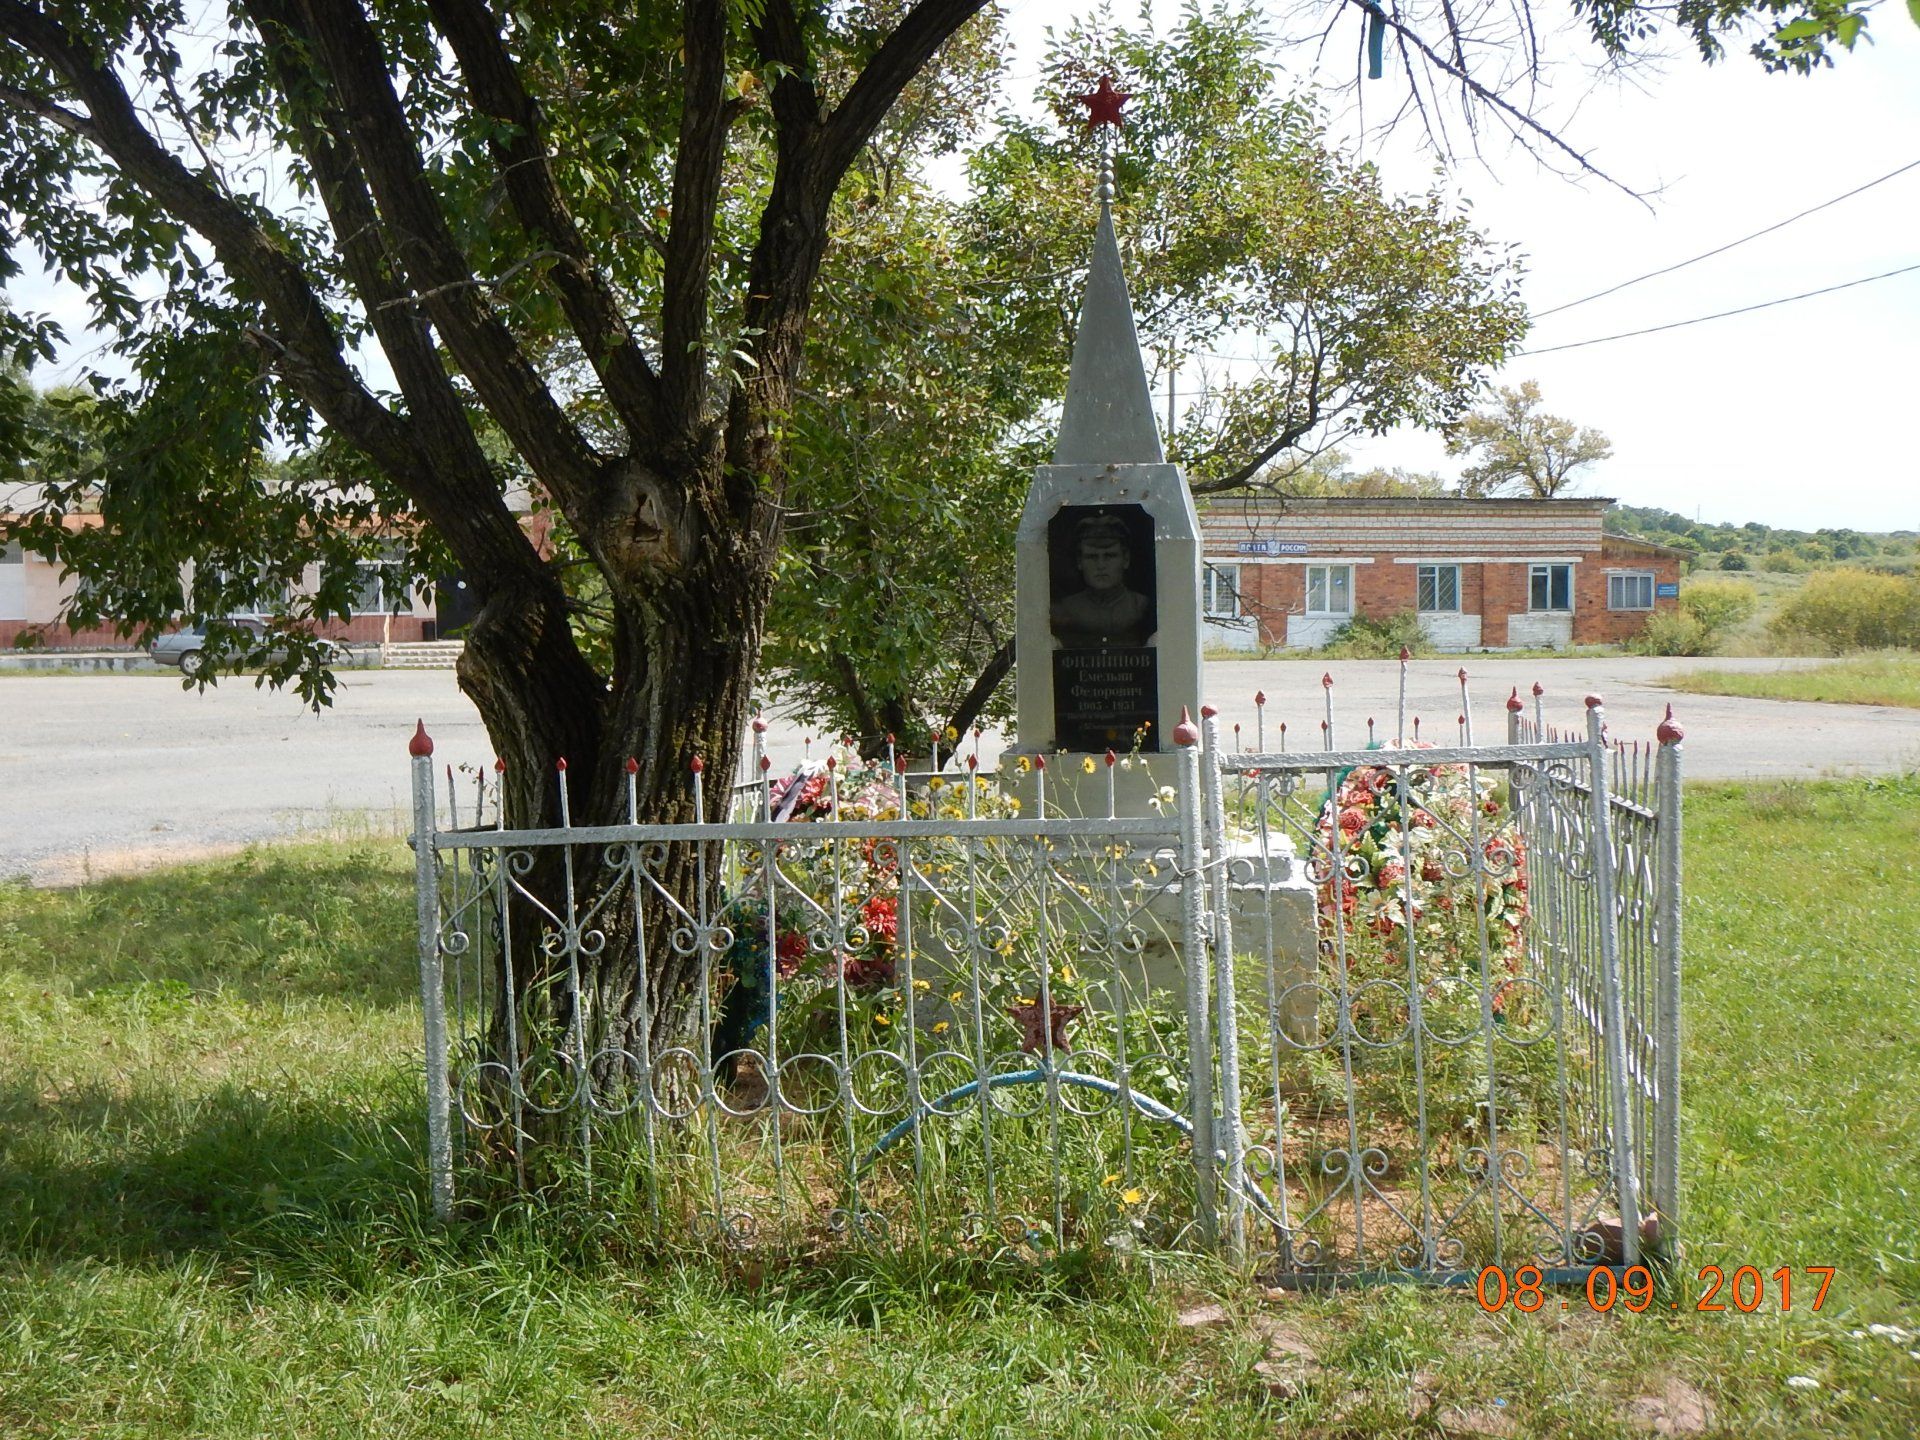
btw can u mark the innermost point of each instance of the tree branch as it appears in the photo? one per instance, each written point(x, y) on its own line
point(981, 691)
point(389, 156)
point(704, 118)
point(526, 169)
point(904, 55)
point(459, 494)
point(47, 110)
point(310, 352)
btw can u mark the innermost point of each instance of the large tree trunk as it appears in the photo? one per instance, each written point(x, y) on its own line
point(686, 654)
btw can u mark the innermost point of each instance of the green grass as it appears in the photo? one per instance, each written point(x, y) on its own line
point(211, 1215)
point(1887, 679)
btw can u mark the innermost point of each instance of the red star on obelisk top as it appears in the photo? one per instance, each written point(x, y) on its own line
point(1103, 104)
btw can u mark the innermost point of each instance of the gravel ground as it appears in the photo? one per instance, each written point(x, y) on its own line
point(104, 774)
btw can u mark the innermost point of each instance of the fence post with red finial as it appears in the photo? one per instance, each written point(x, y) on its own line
point(1226, 1021)
point(1666, 1130)
point(1613, 1000)
point(1193, 902)
point(433, 997)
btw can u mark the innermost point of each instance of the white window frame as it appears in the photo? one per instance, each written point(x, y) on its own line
point(1420, 586)
point(1544, 572)
point(380, 574)
point(13, 583)
point(1220, 591)
point(1327, 587)
point(1641, 580)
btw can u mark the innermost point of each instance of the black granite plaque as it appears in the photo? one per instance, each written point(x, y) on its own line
point(1103, 698)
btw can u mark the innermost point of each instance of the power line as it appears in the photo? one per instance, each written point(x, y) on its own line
point(1731, 244)
point(1720, 315)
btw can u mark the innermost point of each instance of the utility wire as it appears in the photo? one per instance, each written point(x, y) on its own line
point(1720, 315)
point(1721, 250)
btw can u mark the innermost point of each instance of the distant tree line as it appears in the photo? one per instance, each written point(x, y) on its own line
point(1754, 546)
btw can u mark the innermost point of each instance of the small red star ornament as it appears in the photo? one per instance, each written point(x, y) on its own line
point(1103, 104)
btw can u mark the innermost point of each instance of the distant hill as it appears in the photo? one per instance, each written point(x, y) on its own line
point(1766, 547)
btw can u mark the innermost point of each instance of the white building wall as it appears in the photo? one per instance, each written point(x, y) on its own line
point(1540, 629)
point(1237, 633)
point(1309, 632)
point(1451, 631)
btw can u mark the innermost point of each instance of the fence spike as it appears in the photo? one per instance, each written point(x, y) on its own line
point(1670, 732)
point(633, 765)
point(499, 766)
point(699, 766)
point(759, 725)
point(421, 746)
point(1185, 733)
point(1514, 702)
point(560, 764)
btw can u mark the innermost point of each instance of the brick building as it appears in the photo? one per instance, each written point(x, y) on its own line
point(34, 593)
point(1489, 574)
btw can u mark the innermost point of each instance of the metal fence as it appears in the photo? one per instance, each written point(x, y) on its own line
point(1479, 1063)
point(1390, 1011)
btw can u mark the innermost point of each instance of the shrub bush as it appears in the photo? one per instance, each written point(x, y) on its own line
point(1733, 560)
point(1672, 632)
point(1850, 609)
point(1719, 605)
point(1366, 638)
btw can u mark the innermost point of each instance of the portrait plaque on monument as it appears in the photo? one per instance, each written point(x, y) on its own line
point(1106, 688)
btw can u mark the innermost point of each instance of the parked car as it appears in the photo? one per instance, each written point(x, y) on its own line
point(187, 648)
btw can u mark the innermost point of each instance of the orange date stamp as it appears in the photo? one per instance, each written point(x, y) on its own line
point(1747, 1289)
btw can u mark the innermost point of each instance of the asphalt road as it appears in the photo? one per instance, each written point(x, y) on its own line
point(102, 774)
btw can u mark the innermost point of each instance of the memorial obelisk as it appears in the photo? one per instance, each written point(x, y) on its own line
point(1107, 560)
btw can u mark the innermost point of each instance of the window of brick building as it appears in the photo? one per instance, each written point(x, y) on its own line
point(1329, 589)
point(1439, 589)
point(1550, 587)
point(1632, 590)
point(1222, 591)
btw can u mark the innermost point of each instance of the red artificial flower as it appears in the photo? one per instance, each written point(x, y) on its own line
point(881, 916)
point(788, 951)
point(1352, 820)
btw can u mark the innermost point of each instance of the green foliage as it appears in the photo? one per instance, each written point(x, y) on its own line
point(1366, 637)
point(1733, 560)
point(1789, 36)
point(1848, 609)
point(1673, 632)
point(1710, 542)
point(1719, 606)
point(1520, 450)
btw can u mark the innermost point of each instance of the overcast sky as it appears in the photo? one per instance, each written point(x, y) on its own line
point(1798, 415)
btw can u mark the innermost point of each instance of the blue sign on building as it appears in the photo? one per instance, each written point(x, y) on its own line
point(1666, 592)
point(1273, 547)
